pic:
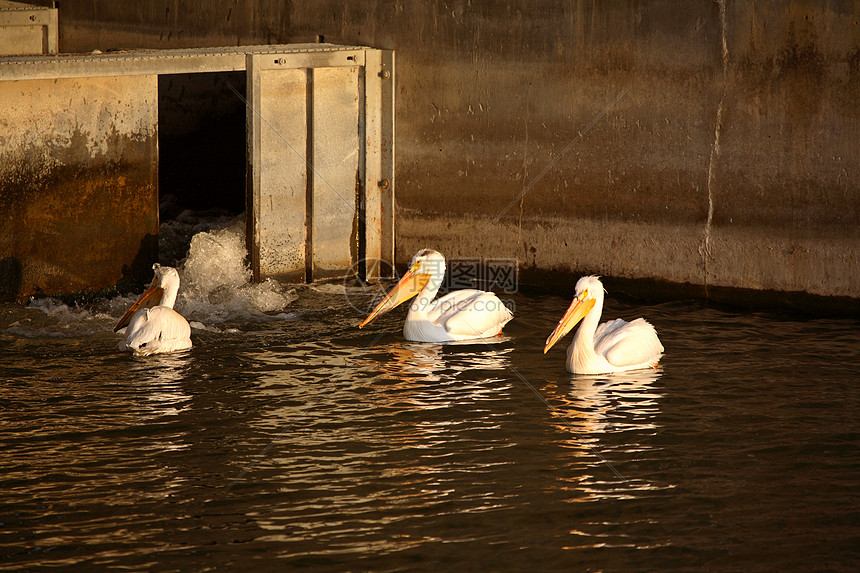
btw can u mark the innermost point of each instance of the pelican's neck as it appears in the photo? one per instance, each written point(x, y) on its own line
point(583, 340)
point(168, 298)
point(424, 301)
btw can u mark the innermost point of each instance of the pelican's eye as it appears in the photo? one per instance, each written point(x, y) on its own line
point(584, 295)
point(416, 266)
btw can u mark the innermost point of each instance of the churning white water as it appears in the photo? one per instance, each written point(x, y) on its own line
point(215, 287)
point(216, 280)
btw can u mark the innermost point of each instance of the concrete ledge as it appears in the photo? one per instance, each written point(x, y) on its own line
point(179, 61)
point(732, 258)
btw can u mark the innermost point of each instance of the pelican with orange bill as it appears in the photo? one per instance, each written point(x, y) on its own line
point(460, 315)
point(614, 346)
point(153, 327)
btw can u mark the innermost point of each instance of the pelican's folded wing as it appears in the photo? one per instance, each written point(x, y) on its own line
point(471, 313)
point(628, 343)
point(157, 330)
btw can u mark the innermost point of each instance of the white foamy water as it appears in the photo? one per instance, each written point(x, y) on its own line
point(216, 281)
point(215, 287)
point(53, 318)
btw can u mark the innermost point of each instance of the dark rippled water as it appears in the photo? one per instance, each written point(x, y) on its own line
point(300, 441)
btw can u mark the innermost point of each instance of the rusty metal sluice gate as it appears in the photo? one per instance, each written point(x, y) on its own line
point(79, 160)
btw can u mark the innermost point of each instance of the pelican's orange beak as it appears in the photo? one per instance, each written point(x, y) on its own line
point(410, 285)
point(577, 310)
point(149, 299)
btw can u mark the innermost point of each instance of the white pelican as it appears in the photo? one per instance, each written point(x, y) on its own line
point(460, 315)
point(153, 326)
point(614, 346)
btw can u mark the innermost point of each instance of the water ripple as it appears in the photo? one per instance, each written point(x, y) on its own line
point(297, 440)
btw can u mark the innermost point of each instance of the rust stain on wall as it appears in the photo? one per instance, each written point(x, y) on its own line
point(78, 184)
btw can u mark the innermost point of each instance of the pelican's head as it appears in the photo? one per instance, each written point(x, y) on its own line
point(430, 262)
point(427, 266)
point(161, 291)
point(589, 291)
point(164, 277)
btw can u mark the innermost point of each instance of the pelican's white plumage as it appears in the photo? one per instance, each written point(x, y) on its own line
point(460, 315)
point(614, 346)
point(153, 326)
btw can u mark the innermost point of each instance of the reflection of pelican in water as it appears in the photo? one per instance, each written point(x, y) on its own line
point(423, 361)
point(595, 397)
point(456, 373)
point(160, 380)
point(590, 409)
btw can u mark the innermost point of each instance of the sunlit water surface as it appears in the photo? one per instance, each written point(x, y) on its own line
point(288, 437)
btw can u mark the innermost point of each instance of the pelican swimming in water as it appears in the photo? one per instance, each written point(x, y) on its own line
point(614, 346)
point(460, 315)
point(153, 326)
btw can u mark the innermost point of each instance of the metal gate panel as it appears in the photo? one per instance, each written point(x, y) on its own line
point(378, 172)
point(317, 202)
point(277, 128)
point(335, 160)
point(27, 29)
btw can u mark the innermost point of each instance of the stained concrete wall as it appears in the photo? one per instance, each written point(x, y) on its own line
point(79, 151)
point(27, 29)
point(704, 143)
point(78, 183)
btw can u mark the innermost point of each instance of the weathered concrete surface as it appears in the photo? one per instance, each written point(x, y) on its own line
point(78, 183)
point(80, 155)
point(732, 168)
point(27, 29)
point(730, 159)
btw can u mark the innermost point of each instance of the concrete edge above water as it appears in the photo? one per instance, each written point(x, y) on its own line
point(737, 266)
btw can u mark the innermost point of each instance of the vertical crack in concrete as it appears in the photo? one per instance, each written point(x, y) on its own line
point(715, 150)
point(523, 197)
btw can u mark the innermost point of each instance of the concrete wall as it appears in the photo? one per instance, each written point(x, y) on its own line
point(79, 158)
point(27, 29)
point(702, 143)
point(78, 183)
